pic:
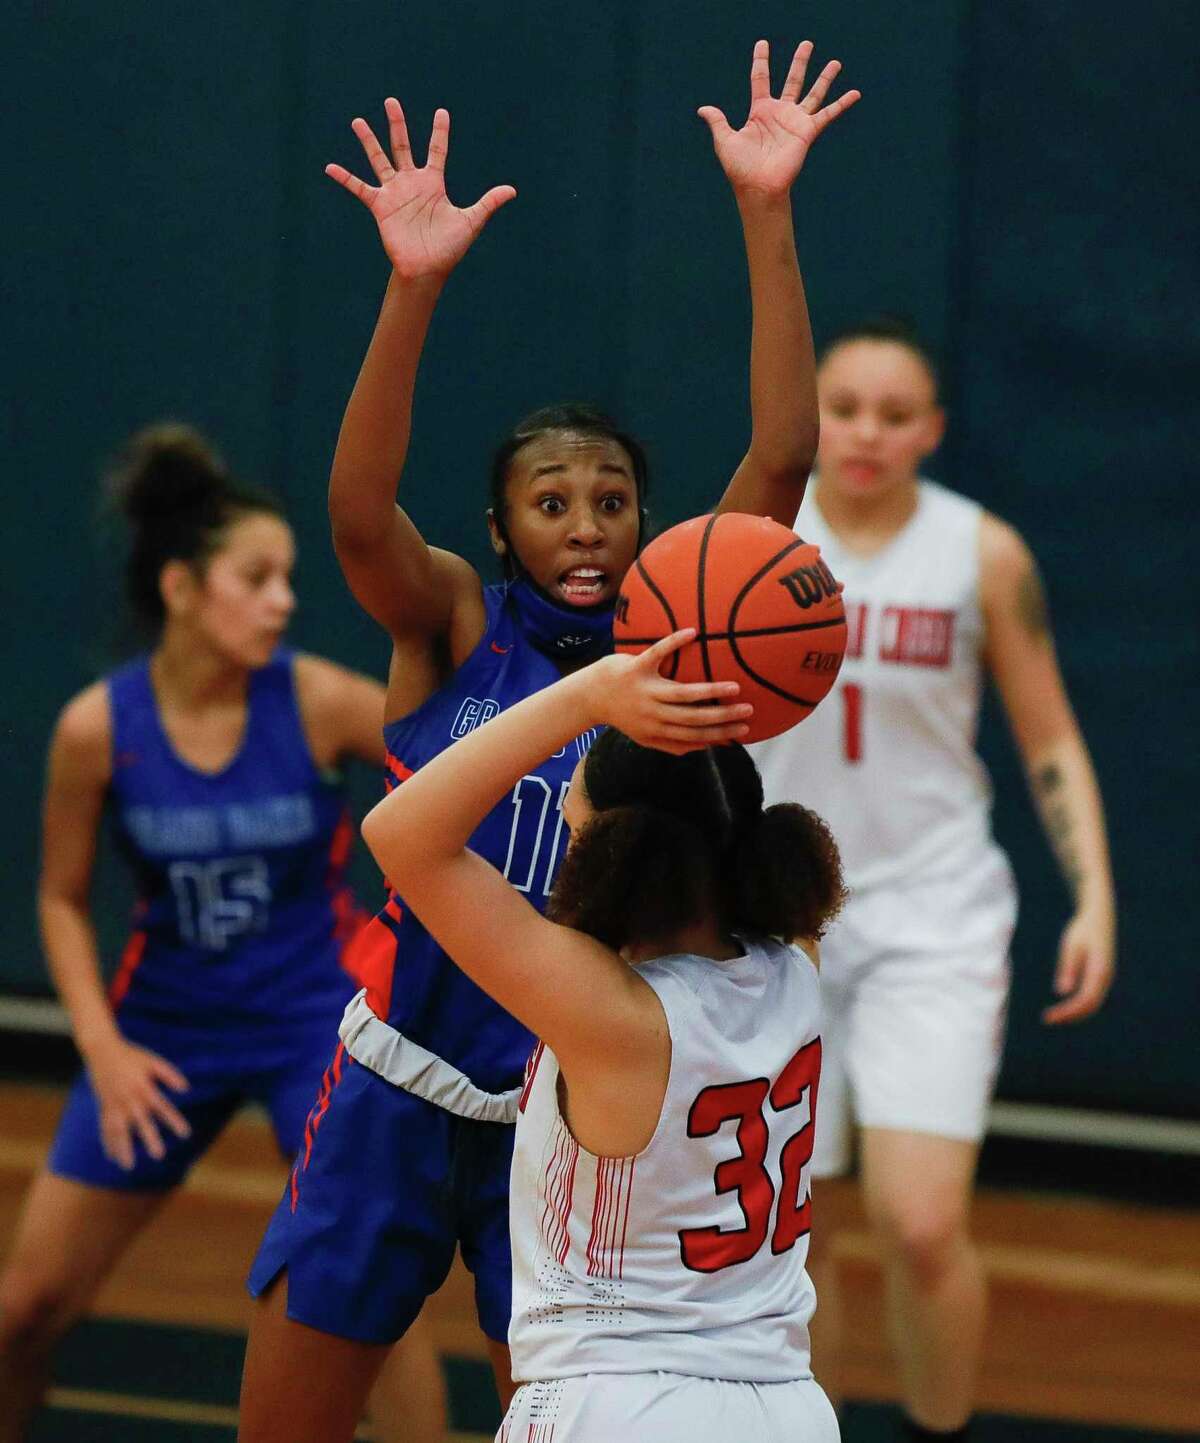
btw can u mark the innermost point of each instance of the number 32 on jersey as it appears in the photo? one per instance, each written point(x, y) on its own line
point(709, 1249)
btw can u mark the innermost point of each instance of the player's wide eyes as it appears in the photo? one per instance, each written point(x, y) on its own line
point(613, 503)
point(552, 505)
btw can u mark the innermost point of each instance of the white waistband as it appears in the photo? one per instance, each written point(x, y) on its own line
point(399, 1060)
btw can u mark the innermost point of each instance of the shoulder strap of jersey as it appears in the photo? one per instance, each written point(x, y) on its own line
point(133, 709)
point(275, 721)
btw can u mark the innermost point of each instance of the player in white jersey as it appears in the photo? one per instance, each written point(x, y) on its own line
point(915, 975)
point(660, 1204)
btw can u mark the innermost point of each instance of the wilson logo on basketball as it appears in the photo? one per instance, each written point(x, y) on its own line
point(808, 585)
point(820, 661)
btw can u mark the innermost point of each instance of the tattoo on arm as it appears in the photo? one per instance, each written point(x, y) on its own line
point(1032, 609)
point(1048, 788)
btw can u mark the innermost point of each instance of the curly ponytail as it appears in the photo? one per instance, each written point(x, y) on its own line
point(787, 874)
point(632, 874)
point(676, 839)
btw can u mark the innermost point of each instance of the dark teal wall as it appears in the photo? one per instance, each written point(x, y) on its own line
point(1012, 179)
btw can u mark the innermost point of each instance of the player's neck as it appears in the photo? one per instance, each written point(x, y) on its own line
point(865, 524)
point(192, 677)
point(701, 939)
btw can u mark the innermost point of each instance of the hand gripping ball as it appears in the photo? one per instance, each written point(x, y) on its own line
point(767, 612)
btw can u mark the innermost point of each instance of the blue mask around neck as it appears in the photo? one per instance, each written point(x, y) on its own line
point(563, 633)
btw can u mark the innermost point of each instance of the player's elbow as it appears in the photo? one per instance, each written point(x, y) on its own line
point(355, 530)
point(385, 830)
point(788, 449)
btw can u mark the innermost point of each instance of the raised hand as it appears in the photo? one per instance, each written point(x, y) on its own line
point(423, 234)
point(769, 151)
point(631, 694)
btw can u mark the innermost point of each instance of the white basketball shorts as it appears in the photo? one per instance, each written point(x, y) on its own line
point(914, 988)
point(667, 1408)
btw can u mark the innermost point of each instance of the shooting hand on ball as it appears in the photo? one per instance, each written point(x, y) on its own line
point(630, 693)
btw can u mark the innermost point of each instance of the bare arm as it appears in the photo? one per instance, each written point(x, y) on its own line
point(77, 778)
point(408, 587)
point(342, 712)
point(564, 986)
point(1020, 654)
point(762, 161)
point(127, 1079)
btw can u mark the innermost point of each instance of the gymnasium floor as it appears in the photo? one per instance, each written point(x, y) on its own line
point(1094, 1338)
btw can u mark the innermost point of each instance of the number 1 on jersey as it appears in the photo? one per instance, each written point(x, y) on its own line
point(525, 844)
point(852, 721)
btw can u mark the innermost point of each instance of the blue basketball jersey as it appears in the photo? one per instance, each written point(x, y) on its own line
point(411, 983)
point(243, 913)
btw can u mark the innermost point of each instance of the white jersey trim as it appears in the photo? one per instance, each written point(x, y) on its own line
point(405, 1063)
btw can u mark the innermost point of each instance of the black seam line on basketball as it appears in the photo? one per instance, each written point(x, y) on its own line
point(733, 636)
point(762, 680)
point(753, 631)
point(673, 669)
point(700, 569)
point(757, 577)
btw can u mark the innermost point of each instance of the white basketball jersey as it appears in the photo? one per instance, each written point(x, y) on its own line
point(888, 758)
point(688, 1257)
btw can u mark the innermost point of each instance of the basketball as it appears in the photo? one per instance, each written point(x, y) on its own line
point(766, 608)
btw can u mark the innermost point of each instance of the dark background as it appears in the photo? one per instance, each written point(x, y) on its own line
point(1020, 178)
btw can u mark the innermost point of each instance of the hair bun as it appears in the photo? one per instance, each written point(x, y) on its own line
point(788, 875)
point(166, 469)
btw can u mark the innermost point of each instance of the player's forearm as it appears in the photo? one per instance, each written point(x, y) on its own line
point(373, 441)
point(783, 382)
point(69, 943)
point(1067, 796)
point(432, 816)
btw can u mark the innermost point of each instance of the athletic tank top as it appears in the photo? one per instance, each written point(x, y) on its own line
point(888, 758)
point(243, 914)
point(688, 1257)
point(411, 983)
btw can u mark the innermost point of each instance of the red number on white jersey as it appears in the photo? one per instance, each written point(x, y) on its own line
point(852, 721)
point(708, 1249)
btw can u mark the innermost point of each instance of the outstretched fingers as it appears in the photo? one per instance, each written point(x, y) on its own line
point(376, 158)
point(398, 134)
point(835, 108)
point(488, 204)
point(439, 140)
point(820, 87)
point(351, 182)
point(715, 120)
point(794, 83)
point(760, 72)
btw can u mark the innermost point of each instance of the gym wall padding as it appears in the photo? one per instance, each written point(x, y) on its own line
point(1015, 178)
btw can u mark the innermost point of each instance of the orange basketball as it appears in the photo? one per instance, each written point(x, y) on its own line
point(766, 608)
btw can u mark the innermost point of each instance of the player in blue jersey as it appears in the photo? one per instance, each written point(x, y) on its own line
point(216, 756)
point(409, 1159)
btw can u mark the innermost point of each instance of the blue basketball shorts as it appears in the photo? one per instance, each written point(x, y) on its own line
point(278, 1066)
point(385, 1187)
